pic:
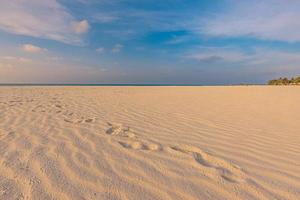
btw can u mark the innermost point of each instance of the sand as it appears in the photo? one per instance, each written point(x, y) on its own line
point(150, 143)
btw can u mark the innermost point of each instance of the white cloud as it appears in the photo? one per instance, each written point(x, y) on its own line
point(104, 18)
point(234, 65)
point(259, 60)
point(217, 57)
point(81, 27)
point(19, 60)
point(14, 69)
point(117, 48)
point(55, 58)
point(100, 50)
point(42, 19)
point(32, 48)
point(263, 19)
point(9, 63)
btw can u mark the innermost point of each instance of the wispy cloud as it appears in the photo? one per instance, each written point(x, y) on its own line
point(9, 59)
point(100, 50)
point(276, 62)
point(42, 19)
point(8, 64)
point(128, 22)
point(104, 18)
point(15, 69)
point(30, 48)
point(218, 55)
point(263, 19)
point(117, 48)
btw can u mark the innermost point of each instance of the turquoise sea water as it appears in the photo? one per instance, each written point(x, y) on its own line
point(152, 85)
point(101, 85)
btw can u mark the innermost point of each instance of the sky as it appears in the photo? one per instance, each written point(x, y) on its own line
point(149, 41)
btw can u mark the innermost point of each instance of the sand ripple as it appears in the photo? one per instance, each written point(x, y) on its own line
point(149, 143)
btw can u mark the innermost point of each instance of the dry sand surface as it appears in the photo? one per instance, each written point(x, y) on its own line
point(140, 143)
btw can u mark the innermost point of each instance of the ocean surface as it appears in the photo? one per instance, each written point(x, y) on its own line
point(101, 85)
point(26, 85)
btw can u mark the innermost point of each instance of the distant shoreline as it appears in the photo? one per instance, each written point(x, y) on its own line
point(123, 85)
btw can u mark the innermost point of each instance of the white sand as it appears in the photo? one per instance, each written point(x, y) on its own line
point(150, 143)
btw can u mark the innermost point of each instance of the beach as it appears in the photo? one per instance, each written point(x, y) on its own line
point(150, 143)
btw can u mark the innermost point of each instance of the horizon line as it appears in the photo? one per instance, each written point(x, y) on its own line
point(124, 84)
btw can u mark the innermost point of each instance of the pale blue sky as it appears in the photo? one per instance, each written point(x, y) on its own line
point(148, 41)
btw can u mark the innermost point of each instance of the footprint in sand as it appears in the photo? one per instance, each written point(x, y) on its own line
point(119, 130)
point(48, 108)
point(79, 121)
point(137, 145)
point(132, 142)
point(90, 120)
point(225, 170)
point(58, 106)
point(37, 108)
point(83, 120)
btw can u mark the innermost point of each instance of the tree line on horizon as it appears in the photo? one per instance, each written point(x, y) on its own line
point(285, 81)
